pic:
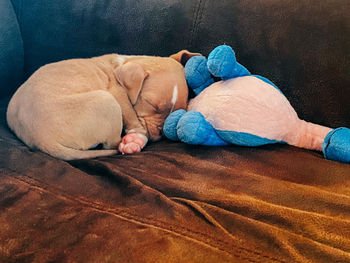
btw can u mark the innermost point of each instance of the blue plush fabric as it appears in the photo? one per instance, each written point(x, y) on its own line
point(222, 63)
point(192, 128)
point(244, 139)
point(336, 145)
point(197, 74)
point(170, 124)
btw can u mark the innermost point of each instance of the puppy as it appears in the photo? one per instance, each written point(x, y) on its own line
point(69, 107)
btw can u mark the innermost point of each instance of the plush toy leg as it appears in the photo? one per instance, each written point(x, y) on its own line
point(192, 128)
point(222, 63)
point(307, 135)
point(170, 124)
point(336, 145)
point(197, 74)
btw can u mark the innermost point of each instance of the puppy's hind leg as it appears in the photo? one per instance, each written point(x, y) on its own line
point(89, 119)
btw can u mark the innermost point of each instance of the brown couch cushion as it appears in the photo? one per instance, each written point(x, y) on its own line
point(174, 203)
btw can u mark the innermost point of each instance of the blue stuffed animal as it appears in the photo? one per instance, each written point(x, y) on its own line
point(245, 109)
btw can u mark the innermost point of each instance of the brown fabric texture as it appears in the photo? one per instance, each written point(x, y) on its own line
point(174, 203)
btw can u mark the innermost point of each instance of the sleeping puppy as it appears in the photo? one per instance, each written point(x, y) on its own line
point(69, 107)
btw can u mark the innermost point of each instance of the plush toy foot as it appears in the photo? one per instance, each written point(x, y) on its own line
point(197, 75)
point(192, 128)
point(222, 63)
point(170, 124)
point(336, 145)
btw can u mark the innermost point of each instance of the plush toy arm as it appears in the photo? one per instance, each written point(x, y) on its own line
point(170, 124)
point(222, 63)
point(197, 74)
point(192, 128)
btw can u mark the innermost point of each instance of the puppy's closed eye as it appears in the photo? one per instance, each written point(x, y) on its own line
point(157, 108)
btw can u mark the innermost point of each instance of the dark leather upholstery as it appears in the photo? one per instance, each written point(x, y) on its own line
point(11, 50)
point(174, 202)
point(65, 29)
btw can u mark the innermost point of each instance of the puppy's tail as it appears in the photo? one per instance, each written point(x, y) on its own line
point(65, 153)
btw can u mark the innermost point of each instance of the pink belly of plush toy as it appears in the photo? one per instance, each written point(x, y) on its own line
point(250, 105)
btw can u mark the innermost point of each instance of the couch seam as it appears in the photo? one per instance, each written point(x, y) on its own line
point(195, 23)
point(218, 244)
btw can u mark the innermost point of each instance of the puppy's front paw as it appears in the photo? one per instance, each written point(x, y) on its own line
point(132, 143)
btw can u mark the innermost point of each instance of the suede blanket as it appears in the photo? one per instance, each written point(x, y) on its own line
point(173, 203)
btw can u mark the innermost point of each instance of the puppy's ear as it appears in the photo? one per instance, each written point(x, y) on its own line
point(184, 55)
point(131, 76)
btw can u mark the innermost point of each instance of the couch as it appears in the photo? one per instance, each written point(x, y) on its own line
point(175, 202)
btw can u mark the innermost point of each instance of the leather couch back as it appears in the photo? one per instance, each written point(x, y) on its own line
point(56, 30)
point(11, 50)
point(302, 46)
